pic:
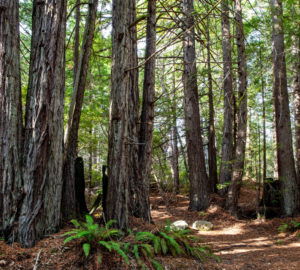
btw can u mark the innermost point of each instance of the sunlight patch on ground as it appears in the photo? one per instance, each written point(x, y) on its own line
point(239, 250)
point(234, 230)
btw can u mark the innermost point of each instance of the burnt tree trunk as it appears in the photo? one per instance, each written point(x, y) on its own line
point(227, 142)
point(147, 115)
point(212, 151)
point(199, 188)
point(286, 163)
point(10, 117)
point(240, 146)
point(69, 204)
point(43, 146)
point(80, 185)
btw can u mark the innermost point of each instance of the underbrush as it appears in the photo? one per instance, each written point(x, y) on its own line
point(291, 226)
point(137, 247)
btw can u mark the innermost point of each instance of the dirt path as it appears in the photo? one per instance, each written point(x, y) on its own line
point(241, 244)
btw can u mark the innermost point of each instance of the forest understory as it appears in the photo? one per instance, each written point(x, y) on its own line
point(244, 243)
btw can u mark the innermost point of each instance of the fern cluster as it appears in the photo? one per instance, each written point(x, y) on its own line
point(143, 246)
point(292, 226)
point(93, 235)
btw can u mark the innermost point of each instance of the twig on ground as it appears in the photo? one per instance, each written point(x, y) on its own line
point(37, 260)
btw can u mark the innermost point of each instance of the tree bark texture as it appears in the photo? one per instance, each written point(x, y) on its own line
point(212, 151)
point(174, 142)
point(118, 172)
point(227, 142)
point(199, 188)
point(240, 147)
point(10, 117)
point(147, 114)
point(296, 88)
point(264, 119)
point(43, 149)
point(76, 40)
point(70, 207)
point(286, 164)
point(134, 174)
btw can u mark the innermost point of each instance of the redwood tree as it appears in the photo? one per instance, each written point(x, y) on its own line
point(10, 117)
point(147, 115)
point(43, 146)
point(212, 151)
point(238, 164)
point(227, 142)
point(70, 205)
point(286, 163)
point(199, 188)
point(118, 173)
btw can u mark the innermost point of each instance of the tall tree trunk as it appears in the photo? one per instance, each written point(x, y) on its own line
point(199, 188)
point(286, 164)
point(43, 147)
point(174, 157)
point(70, 208)
point(212, 151)
point(10, 117)
point(76, 41)
point(240, 147)
point(118, 172)
point(147, 115)
point(296, 88)
point(174, 141)
point(227, 142)
point(135, 184)
point(264, 119)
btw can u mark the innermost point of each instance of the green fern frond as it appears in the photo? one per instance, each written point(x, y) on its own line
point(144, 236)
point(164, 247)
point(89, 220)
point(110, 223)
point(86, 249)
point(107, 245)
point(156, 264)
point(75, 223)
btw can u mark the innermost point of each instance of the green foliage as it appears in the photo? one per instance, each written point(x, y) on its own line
point(143, 246)
point(292, 226)
point(95, 236)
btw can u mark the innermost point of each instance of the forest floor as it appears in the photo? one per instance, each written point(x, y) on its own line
point(240, 243)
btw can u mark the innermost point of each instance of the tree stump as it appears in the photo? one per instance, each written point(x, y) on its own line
point(80, 185)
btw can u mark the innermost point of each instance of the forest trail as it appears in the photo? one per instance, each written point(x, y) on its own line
point(241, 244)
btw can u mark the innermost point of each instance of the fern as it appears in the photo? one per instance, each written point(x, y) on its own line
point(96, 237)
point(143, 247)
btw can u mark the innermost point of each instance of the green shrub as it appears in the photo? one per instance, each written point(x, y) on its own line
point(95, 236)
point(291, 227)
point(143, 246)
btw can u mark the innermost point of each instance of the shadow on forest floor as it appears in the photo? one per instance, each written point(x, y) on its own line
point(241, 243)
